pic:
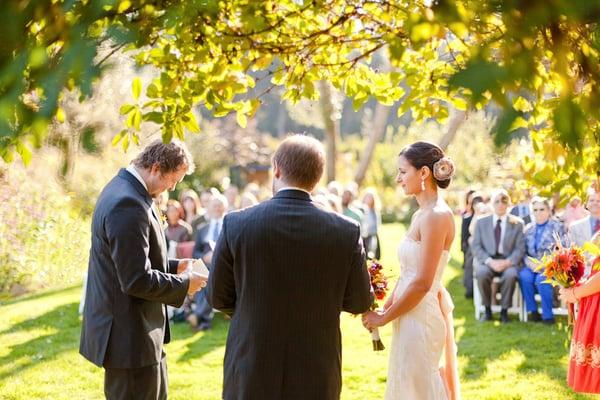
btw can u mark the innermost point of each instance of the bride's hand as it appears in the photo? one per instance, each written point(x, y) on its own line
point(372, 320)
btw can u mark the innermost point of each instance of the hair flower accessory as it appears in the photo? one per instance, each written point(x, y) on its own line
point(443, 169)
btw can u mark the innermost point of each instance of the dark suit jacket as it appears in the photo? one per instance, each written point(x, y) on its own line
point(201, 246)
point(284, 270)
point(129, 277)
point(464, 233)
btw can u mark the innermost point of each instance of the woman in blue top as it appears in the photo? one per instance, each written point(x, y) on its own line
point(539, 240)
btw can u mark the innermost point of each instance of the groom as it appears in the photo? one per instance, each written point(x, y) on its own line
point(130, 279)
point(284, 270)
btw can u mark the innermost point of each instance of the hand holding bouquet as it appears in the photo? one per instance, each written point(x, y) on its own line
point(379, 285)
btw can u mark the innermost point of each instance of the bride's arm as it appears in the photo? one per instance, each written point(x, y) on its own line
point(434, 231)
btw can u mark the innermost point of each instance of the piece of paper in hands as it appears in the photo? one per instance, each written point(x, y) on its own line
point(200, 268)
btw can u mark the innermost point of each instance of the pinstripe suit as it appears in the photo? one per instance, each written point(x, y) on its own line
point(284, 270)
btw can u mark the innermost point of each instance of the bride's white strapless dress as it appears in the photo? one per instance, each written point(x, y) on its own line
point(422, 336)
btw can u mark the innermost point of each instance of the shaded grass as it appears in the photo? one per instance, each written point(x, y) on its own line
point(39, 340)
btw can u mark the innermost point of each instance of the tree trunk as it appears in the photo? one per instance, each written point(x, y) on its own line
point(332, 128)
point(379, 125)
point(455, 122)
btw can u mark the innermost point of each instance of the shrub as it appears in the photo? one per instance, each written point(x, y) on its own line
point(44, 241)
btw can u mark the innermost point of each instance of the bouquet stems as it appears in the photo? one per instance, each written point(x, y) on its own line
point(377, 343)
point(571, 313)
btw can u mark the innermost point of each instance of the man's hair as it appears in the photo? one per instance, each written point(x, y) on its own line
point(301, 160)
point(500, 193)
point(169, 157)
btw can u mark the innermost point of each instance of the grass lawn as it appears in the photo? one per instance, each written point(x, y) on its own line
point(39, 339)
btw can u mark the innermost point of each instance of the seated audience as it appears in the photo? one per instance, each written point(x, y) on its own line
point(201, 318)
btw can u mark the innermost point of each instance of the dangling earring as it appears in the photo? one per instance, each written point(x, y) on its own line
point(422, 185)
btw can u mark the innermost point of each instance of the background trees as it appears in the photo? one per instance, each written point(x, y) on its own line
point(536, 60)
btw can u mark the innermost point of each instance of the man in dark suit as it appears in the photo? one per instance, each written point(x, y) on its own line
point(130, 279)
point(498, 247)
point(201, 318)
point(284, 270)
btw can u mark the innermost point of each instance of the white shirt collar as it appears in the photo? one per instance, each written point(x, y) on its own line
point(502, 218)
point(131, 169)
point(294, 188)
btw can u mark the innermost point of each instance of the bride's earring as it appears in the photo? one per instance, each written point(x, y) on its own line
point(422, 185)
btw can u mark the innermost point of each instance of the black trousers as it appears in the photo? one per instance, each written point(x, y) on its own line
point(145, 383)
point(468, 274)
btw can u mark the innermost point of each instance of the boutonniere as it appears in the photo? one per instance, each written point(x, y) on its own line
point(162, 218)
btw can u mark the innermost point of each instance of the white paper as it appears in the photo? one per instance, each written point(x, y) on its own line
point(200, 268)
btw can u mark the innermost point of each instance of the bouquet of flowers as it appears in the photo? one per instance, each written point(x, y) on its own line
point(379, 285)
point(565, 266)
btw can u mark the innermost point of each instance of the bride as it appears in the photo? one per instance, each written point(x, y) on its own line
point(420, 309)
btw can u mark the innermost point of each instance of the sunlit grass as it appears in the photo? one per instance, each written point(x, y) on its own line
point(39, 340)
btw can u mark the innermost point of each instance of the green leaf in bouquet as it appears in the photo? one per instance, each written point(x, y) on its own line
point(539, 265)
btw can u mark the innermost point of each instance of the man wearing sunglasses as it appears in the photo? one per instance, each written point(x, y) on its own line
point(498, 247)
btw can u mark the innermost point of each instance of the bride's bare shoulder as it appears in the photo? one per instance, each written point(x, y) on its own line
point(441, 213)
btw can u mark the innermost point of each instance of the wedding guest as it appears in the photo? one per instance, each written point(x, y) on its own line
point(467, 227)
point(335, 202)
point(498, 247)
point(348, 208)
point(195, 215)
point(253, 188)
point(573, 211)
point(232, 193)
point(539, 241)
point(521, 210)
point(466, 218)
point(371, 222)
point(584, 370)
point(205, 197)
point(247, 199)
point(582, 230)
point(320, 191)
point(177, 229)
point(322, 202)
point(335, 188)
point(201, 318)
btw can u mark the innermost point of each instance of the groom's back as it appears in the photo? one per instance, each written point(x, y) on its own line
point(295, 268)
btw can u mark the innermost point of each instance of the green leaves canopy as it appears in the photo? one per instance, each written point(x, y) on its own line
point(538, 60)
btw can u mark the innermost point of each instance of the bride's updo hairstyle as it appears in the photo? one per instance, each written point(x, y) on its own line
point(425, 154)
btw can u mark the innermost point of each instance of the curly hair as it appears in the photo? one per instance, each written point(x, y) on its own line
point(169, 157)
